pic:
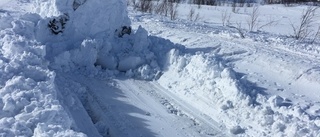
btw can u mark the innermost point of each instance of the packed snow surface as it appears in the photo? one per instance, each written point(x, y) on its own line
point(69, 68)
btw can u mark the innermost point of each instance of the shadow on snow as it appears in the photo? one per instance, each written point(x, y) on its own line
point(108, 109)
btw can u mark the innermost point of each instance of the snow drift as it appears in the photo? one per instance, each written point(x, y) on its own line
point(204, 81)
point(82, 36)
point(31, 103)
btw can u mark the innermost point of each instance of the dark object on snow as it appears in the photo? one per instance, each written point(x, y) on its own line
point(57, 24)
point(124, 30)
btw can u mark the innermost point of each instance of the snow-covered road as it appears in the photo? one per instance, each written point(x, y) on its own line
point(128, 107)
point(68, 68)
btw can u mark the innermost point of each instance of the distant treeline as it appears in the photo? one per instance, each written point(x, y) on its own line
point(314, 2)
point(221, 2)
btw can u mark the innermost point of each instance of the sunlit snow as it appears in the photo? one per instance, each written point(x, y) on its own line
point(74, 68)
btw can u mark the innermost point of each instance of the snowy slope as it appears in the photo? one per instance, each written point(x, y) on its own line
point(90, 80)
point(271, 90)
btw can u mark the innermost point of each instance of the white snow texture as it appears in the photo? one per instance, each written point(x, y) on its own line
point(31, 104)
point(32, 58)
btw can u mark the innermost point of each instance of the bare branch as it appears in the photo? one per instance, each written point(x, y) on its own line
point(271, 22)
point(168, 8)
point(253, 20)
point(307, 20)
point(239, 29)
point(173, 10)
point(193, 16)
point(143, 5)
point(316, 36)
point(225, 18)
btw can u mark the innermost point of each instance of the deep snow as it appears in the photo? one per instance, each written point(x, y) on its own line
point(32, 102)
point(265, 75)
point(88, 81)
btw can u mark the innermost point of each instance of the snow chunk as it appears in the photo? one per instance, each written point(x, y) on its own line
point(203, 73)
point(86, 56)
point(141, 40)
point(237, 130)
point(54, 130)
point(5, 21)
point(130, 63)
point(278, 101)
point(107, 62)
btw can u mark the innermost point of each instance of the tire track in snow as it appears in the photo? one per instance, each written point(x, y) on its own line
point(114, 112)
point(100, 111)
point(206, 112)
point(128, 108)
point(205, 123)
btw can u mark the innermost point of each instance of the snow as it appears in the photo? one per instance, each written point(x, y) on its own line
point(251, 98)
point(165, 78)
point(31, 103)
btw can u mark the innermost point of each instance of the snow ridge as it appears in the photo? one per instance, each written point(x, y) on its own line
point(29, 104)
point(207, 83)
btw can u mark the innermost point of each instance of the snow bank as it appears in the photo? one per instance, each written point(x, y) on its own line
point(205, 82)
point(205, 73)
point(31, 56)
point(28, 103)
point(35, 100)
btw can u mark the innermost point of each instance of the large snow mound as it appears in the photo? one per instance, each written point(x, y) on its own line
point(58, 37)
point(86, 17)
point(31, 102)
